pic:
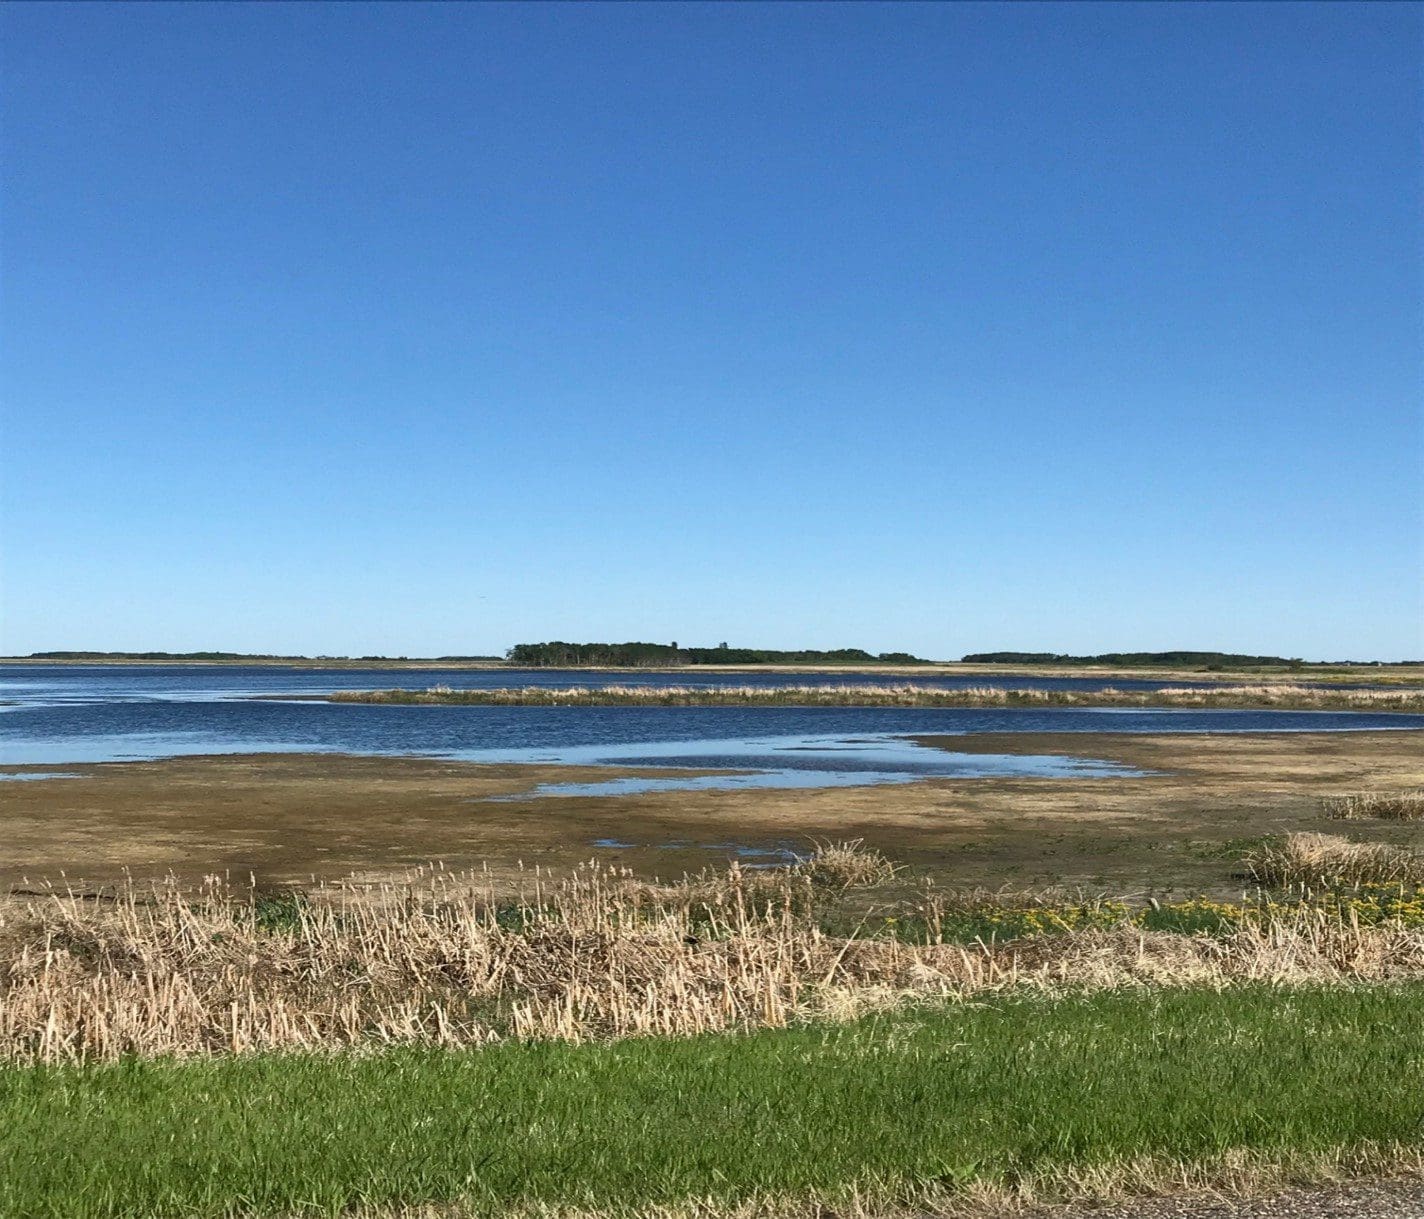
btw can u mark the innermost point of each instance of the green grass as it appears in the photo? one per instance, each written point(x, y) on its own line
point(279, 911)
point(1234, 849)
point(992, 1091)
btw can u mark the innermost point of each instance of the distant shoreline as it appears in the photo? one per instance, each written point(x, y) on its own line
point(1315, 672)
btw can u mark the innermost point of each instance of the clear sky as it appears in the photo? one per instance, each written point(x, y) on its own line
point(431, 329)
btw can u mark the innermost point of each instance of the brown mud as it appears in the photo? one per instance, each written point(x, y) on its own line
point(286, 818)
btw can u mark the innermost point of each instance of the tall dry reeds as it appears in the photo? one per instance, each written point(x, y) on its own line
point(1289, 697)
point(847, 865)
point(437, 959)
point(1316, 861)
point(1383, 806)
point(1280, 697)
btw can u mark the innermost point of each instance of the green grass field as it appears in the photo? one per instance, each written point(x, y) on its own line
point(901, 1105)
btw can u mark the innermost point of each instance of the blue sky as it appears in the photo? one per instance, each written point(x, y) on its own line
point(431, 329)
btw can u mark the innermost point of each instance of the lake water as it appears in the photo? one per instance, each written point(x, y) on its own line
point(60, 715)
point(36, 685)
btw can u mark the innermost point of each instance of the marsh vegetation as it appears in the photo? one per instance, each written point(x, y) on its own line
point(1377, 805)
point(829, 1036)
point(1329, 861)
point(1279, 697)
point(440, 959)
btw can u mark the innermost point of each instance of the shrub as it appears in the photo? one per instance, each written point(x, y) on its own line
point(1386, 806)
point(1329, 861)
point(847, 865)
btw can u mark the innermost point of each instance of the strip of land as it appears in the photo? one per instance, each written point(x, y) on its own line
point(1278, 697)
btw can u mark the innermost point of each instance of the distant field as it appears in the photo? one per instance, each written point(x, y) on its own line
point(1015, 1097)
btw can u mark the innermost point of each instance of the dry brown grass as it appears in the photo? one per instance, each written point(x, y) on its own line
point(1384, 806)
point(848, 865)
point(436, 960)
point(1266, 695)
point(1315, 861)
point(1288, 696)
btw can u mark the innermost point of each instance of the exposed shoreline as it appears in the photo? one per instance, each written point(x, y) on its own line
point(284, 818)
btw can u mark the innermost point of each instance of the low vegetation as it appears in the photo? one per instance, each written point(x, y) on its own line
point(826, 1037)
point(1278, 697)
point(1326, 861)
point(846, 865)
point(1383, 806)
point(924, 1111)
point(440, 960)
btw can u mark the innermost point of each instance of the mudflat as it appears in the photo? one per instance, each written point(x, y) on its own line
point(288, 818)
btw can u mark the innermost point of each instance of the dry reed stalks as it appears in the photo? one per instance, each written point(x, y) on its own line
point(1279, 694)
point(436, 960)
point(903, 695)
point(1313, 861)
point(1385, 806)
point(847, 865)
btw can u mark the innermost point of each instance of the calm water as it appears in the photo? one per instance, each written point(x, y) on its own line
point(62, 715)
point(67, 684)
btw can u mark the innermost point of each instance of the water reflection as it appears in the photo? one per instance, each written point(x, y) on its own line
point(23, 776)
point(794, 762)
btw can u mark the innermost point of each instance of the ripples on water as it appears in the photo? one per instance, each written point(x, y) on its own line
point(60, 715)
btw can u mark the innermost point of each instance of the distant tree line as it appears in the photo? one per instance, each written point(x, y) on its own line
point(560, 655)
point(1196, 660)
point(652, 655)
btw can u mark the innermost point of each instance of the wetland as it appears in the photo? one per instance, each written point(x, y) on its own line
point(150, 770)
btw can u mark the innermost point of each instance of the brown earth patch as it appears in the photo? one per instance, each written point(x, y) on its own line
point(286, 818)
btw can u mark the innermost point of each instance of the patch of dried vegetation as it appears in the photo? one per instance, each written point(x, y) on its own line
point(1265, 695)
point(847, 865)
point(437, 960)
point(1383, 806)
point(1324, 861)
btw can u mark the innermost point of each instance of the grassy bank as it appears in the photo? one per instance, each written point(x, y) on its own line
point(1028, 1095)
point(1276, 697)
